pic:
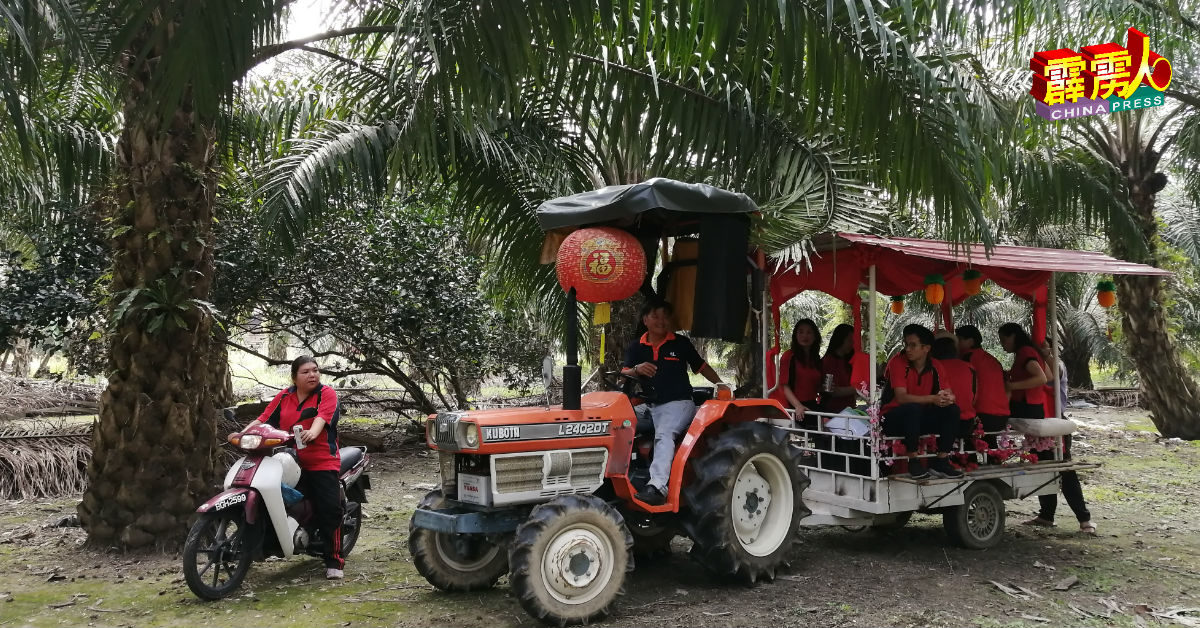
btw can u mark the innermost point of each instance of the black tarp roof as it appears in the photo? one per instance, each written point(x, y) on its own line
point(617, 203)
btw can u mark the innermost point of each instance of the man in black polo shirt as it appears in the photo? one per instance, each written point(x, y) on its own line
point(662, 358)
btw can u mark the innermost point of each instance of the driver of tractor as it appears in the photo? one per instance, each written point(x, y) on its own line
point(662, 358)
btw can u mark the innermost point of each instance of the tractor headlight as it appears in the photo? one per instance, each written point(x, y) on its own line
point(472, 435)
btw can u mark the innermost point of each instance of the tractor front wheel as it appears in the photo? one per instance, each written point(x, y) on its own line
point(569, 560)
point(744, 504)
point(454, 562)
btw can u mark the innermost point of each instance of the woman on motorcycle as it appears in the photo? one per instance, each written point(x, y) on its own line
point(319, 459)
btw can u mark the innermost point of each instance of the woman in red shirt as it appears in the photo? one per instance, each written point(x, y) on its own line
point(837, 363)
point(320, 462)
point(1027, 375)
point(800, 370)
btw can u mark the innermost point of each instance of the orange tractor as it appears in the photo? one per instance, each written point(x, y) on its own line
point(547, 494)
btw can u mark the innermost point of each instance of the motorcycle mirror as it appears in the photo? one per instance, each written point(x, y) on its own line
point(228, 414)
point(308, 413)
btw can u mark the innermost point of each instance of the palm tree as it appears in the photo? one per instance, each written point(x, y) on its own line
point(795, 103)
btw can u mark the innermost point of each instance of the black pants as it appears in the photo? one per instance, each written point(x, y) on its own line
point(325, 490)
point(1071, 489)
point(992, 423)
point(911, 420)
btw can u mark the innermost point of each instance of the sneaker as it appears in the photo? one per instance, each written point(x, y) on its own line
point(334, 574)
point(940, 467)
point(917, 470)
point(651, 496)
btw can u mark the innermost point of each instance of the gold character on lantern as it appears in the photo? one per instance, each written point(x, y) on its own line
point(600, 264)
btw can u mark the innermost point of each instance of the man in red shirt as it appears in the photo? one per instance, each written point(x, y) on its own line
point(963, 382)
point(918, 401)
point(991, 400)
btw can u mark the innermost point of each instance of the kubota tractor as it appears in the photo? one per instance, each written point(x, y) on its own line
point(547, 494)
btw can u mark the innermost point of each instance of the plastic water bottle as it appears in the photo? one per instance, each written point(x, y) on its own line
point(296, 430)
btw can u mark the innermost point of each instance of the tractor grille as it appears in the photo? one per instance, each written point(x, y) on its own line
point(522, 478)
point(445, 428)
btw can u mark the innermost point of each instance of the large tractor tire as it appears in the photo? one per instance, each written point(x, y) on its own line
point(979, 522)
point(569, 560)
point(744, 504)
point(454, 562)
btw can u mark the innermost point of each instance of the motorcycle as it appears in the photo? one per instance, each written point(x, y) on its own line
point(260, 514)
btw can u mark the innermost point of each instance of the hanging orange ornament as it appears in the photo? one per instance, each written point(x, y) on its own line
point(935, 289)
point(898, 305)
point(972, 282)
point(1106, 293)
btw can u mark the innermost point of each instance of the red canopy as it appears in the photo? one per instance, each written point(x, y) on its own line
point(842, 260)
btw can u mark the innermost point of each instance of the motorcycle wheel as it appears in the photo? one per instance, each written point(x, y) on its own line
point(351, 526)
point(216, 556)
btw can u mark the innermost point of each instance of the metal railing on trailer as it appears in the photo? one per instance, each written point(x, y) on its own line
point(850, 487)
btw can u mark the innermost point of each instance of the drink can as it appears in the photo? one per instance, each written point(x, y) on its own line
point(827, 383)
point(296, 429)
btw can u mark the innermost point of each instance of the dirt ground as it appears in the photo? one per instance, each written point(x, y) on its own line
point(1142, 570)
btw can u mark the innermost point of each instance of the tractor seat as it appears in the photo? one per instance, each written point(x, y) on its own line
point(350, 457)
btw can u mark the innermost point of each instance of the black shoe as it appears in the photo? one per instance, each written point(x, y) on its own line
point(916, 470)
point(651, 496)
point(940, 467)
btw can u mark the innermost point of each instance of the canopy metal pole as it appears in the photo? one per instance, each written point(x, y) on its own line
point(1052, 331)
point(871, 330)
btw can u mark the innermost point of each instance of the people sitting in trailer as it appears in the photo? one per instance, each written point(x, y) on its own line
point(662, 357)
point(991, 397)
point(963, 382)
point(836, 367)
point(918, 401)
point(1027, 375)
point(800, 372)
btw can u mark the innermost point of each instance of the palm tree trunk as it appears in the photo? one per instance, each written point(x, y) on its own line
point(154, 451)
point(1170, 392)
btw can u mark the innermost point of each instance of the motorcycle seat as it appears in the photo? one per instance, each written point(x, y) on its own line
point(350, 457)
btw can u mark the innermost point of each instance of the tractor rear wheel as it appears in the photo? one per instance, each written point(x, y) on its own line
point(744, 504)
point(569, 560)
point(454, 562)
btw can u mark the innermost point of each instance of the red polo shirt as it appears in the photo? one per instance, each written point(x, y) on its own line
point(963, 384)
point(926, 382)
point(1019, 372)
point(806, 384)
point(990, 396)
point(284, 412)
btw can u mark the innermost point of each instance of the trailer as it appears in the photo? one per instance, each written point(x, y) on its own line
point(847, 468)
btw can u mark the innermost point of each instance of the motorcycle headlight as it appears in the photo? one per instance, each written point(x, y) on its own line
point(472, 435)
point(250, 441)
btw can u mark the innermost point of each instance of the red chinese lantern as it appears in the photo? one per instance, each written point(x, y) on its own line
point(898, 304)
point(1106, 293)
point(972, 282)
point(935, 289)
point(602, 264)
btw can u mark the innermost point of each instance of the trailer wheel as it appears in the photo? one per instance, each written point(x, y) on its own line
point(979, 522)
point(454, 562)
point(569, 560)
point(744, 504)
